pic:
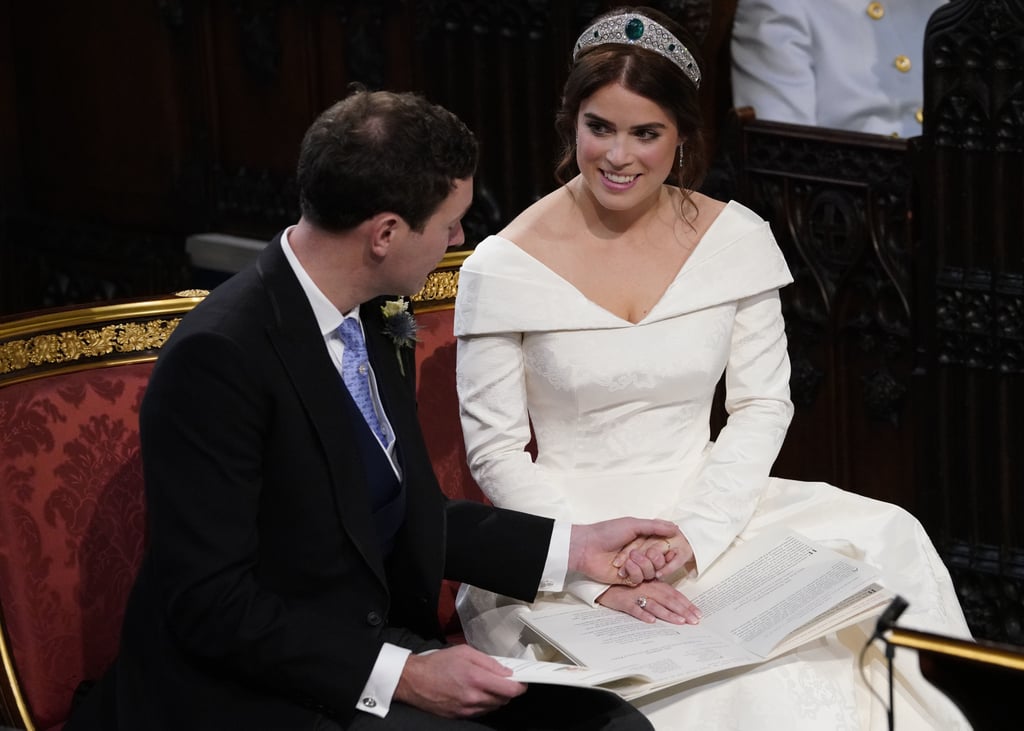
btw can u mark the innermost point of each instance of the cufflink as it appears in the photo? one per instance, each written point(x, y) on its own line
point(369, 702)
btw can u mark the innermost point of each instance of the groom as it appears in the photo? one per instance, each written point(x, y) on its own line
point(297, 534)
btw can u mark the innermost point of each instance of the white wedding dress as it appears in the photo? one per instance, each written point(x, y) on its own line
point(621, 411)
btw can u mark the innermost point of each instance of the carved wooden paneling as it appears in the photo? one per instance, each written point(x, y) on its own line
point(499, 65)
point(989, 580)
point(970, 394)
point(839, 207)
point(96, 108)
point(164, 118)
point(98, 112)
point(10, 156)
point(54, 263)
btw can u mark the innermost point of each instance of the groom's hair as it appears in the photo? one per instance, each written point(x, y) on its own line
point(377, 151)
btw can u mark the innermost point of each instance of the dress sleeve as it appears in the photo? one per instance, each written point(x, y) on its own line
point(491, 383)
point(736, 470)
point(772, 61)
point(496, 426)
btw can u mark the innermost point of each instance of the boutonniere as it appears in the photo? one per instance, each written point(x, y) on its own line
point(400, 326)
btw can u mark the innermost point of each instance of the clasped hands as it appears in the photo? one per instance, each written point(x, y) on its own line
point(630, 553)
point(657, 550)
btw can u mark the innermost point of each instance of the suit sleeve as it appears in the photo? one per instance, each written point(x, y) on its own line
point(773, 61)
point(500, 550)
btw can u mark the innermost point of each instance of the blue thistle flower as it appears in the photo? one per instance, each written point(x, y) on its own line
point(400, 326)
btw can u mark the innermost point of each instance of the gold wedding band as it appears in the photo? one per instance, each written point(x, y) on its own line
point(641, 601)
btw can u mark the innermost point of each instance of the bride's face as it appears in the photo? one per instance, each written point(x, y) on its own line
point(626, 147)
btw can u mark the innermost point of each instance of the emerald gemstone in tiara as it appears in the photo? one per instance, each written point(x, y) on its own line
point(633, 29)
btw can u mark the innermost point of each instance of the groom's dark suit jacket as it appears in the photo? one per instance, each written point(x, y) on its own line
point(264, 597)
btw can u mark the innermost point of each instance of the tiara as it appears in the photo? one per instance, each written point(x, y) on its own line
point(638, 30)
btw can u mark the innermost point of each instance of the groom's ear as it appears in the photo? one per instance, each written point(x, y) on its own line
point(385, 230)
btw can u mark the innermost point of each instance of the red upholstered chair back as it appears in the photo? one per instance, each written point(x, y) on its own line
point(439, 405)
point(439, 402)
point(72, 523)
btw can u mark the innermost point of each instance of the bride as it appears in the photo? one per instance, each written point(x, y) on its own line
point(599, 322)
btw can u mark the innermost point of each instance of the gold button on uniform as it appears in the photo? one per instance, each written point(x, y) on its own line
point(876, 11)
point(919, 115)
point(902, 63)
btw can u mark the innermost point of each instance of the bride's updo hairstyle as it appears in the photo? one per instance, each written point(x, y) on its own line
point(644, 72)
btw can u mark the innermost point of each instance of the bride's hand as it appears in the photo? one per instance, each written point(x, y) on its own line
point(668, 555)
point(651, 600)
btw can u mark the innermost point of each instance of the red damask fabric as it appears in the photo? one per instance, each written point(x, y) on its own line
point(72, 526)
point(439, 405)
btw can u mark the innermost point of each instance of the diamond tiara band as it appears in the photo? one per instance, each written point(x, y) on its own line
point(637, 30)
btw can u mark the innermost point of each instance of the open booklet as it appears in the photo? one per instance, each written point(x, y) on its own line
point(760, 599)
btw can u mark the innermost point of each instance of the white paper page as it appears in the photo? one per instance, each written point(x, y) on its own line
point(865, 604)
point(757, 594)
point(599, 637)
point(760, 591)
point(537, 671)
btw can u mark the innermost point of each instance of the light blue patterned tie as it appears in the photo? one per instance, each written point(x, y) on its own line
point(355, 371)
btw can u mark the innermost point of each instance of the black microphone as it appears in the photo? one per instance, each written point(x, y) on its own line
point(896, 607)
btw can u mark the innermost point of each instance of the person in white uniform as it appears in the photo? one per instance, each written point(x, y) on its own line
point(600, 321)
point(846, 64)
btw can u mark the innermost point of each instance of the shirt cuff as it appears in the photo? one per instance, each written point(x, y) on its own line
point(380, 687)
point(557, 565)
point(586, 590)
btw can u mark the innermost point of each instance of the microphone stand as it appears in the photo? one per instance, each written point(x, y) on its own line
point(886, 622)
point(890, 651)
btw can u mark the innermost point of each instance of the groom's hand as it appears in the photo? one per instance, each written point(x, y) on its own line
point(664, 553)
point(456, 682)
point(596, 550)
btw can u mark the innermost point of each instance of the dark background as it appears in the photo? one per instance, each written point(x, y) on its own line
point(128, 125)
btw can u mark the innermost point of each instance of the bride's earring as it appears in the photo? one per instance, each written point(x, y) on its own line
point(680, 161)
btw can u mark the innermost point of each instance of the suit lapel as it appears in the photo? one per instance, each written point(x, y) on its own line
point(299, 344)
point(425, 522)
point(395, 389)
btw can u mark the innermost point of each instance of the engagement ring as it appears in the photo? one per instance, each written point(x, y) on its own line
point(641, 602)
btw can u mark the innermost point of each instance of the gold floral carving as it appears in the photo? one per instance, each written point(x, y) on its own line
point(440, 285)
point(73, 345)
